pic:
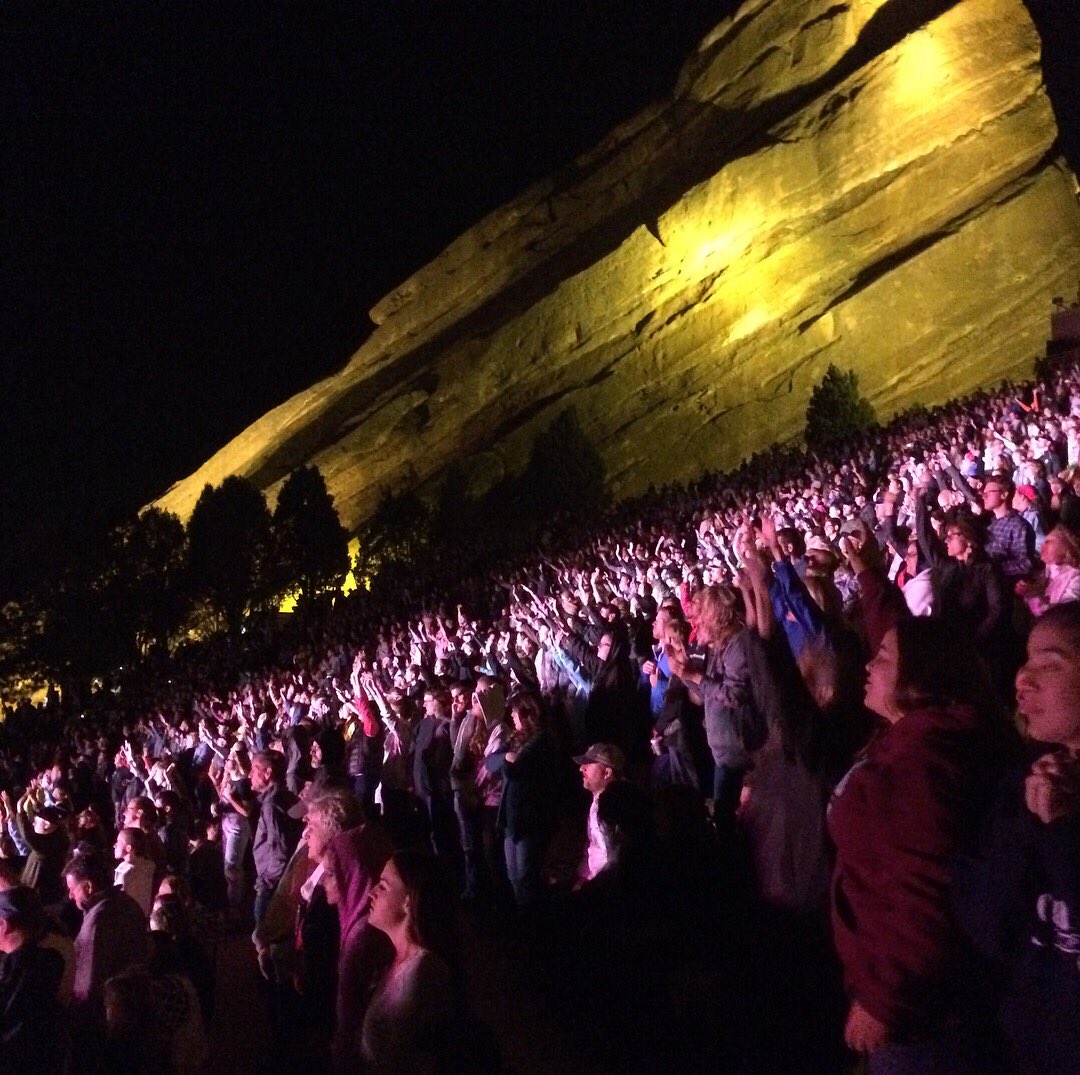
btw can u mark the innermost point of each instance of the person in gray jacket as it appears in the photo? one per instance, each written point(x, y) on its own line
point(723, 683)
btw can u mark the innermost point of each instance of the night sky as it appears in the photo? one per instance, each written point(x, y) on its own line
point(202, 201)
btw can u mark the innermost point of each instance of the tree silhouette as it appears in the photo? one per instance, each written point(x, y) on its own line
point(397, 533)
point(228, 549)
point(564, 473)
point(310, 546)
point(836, 411)
point(144, 580)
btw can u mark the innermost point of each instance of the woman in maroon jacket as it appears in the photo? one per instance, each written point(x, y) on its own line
point(897, 819)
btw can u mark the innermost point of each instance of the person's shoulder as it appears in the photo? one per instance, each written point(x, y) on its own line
point(115, 907)
point(431, 973)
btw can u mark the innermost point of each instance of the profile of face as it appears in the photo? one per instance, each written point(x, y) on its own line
point(1053, 550)
point(260, 777)
point(595, 776)
point(1048, 687)
point(390, 902)
point(133, 815)
point(121, 848)
point(80, 892)
point(993, 495)
point(882, 674)
point(603, 647)
point(660, 625)
point(317, 835)
point(956, 544)
point(316, 755)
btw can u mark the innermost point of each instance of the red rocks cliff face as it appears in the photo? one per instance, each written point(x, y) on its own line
point(871, 183)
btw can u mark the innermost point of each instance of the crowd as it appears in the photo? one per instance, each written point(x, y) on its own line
point(761, 774)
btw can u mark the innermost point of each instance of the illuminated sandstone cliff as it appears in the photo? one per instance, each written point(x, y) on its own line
point(871, 183)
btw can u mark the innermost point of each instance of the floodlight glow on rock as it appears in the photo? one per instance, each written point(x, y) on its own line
point(873, 184)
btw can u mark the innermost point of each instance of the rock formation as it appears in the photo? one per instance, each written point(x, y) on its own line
point(873, 183)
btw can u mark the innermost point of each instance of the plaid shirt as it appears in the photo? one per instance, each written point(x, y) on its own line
point(1010, 543)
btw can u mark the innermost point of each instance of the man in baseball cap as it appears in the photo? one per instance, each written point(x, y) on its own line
point(601, 765)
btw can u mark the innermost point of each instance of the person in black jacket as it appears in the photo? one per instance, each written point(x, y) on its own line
point(616, 711)
point(1019, 898)
point(527, 811)
point(431, 757)
point(31, 1031)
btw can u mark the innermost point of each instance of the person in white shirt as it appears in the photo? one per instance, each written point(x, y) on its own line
point(134, 873)
point(1060, 579)
point(601, 765)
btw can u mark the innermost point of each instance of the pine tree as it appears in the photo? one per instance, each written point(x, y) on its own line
point(836, 411)
point(310, 546)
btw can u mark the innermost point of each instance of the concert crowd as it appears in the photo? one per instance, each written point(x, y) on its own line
point(772, 773)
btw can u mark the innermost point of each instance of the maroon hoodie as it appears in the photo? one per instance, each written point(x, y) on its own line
point(359, 856)
point(897, 819)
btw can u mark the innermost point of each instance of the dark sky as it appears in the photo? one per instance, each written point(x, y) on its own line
point(202, 201)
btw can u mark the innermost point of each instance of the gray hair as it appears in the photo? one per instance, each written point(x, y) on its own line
point(340, 810)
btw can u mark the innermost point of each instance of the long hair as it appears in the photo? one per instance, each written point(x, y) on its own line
point(430, 899)
point(1069, 544)
point(720, 610)
point(529, 707)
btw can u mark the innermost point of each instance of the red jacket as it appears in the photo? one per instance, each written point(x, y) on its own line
point(896, 821)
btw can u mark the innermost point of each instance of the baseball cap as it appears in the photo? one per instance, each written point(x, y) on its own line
point(603, 754)
point(1028, 493)
point(21, 903)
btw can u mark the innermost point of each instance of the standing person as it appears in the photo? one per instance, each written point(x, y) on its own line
point(724, 684)
point(395, 711)
point(657, 671)
point(1019, 899)
point(31, 1027)
point(897, 820)
point(529, 767)
point(414, 1003)
point(276, 833)
point(432, 757)
point(364, 759)
point(483, 720)
point(601, 766)
point(614, 711)
point(678, 738)
point(134, 873)
point(1010, 540)
point(112, 939)
point(43, 831)
point(1059, 581)
point(352, 863)
point(236, 808)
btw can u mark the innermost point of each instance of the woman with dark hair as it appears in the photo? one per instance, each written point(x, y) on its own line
point(616, 711)
point(327, 763)
point(897, 819)
point(529, 764)
point(413, 1004)
point(682, 754)
point(352, 863)
point(969, 592)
